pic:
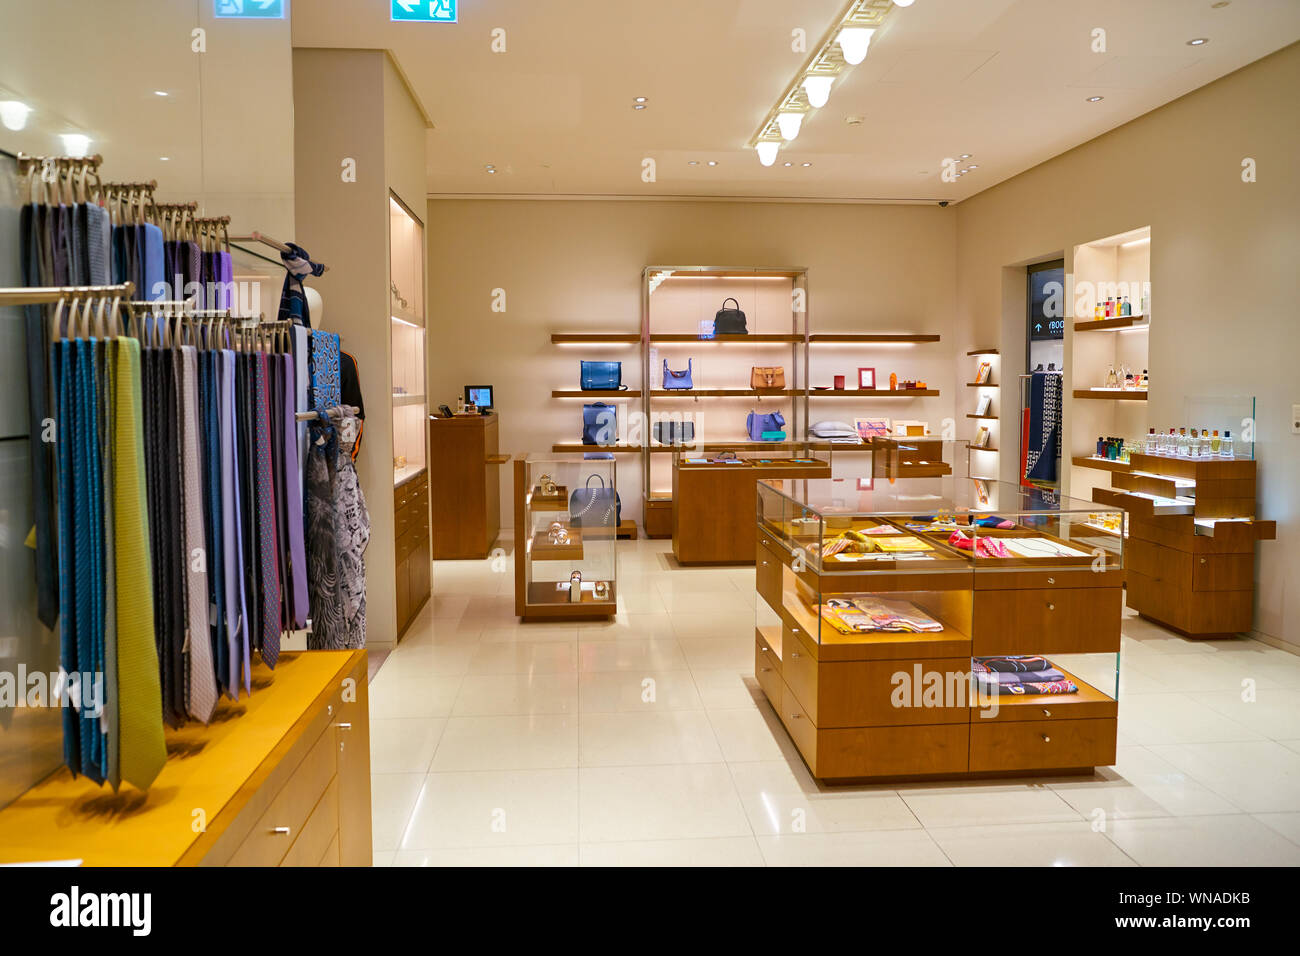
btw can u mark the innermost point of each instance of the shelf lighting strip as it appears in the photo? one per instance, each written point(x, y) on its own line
point(826, 63)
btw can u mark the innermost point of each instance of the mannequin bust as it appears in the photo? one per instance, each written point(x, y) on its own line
point(315, 305)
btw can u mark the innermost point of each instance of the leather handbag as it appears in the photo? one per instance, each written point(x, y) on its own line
point(598, 507)
point(678, 380)
point(756, 424)
point(599, 424)
point(729, 321)
point(674, 433)
point(762, 376)
point(602, 376)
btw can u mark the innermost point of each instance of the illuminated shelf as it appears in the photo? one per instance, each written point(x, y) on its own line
point(595, 393)
point(1114, 394)
point(869, 338)
point(595, 338)
point(1112, 324)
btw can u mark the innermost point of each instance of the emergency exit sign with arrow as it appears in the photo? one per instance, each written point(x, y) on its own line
point(249, 9)
point(426, 11)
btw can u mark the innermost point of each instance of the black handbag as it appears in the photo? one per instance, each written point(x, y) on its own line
point(595, 507)
point(729, 321)
point(670, 432)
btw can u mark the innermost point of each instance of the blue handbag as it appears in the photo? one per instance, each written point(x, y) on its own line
point(595, 507)
point(757, 424)
point(602, 376)
point(678, 380)
point(599, 424)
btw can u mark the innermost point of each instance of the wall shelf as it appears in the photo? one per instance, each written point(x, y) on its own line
point(982, 448)
point(595, 393)
point(829, 338)
point(723, 392)
point(577, 446)
point(983, 352)
point(981, 384)
point(1111, 324)
point(1113, 394)
point(668, 338)
point(1101, 464)
point(991, 418)
point(873, 392)
point(595, 338)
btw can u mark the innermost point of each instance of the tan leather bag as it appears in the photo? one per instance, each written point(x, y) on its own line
point(767, 376)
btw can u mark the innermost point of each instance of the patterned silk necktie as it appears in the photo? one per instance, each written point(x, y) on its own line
point(202, 699)
point(142, 750)
point(269, 547)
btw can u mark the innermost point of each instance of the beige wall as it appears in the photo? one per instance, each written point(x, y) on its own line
point(340, 112)
point(576, 266)
point(1223, 271)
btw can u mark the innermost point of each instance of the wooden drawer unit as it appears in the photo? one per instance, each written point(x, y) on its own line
point(885, 693)
point(657, 517)
point(921, 751)
point(464, 489)
point(1041, 744)
point(319, 831)
point(278, 828)
point(411, 550)
point(1048, 620)
point(768, 573)
point(767, 671)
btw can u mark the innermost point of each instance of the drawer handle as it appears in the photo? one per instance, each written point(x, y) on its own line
point(794, 630)
point(764, 670)
point(765, 650)
point(1051, 580)
point(344, 726)
point(763, 563)
point(1051, 606)
point(280, 831)
point(1046, 739)
point(329, 710)
point(794, 655)
point(1046, 712)
point(1202, 560)
point(795, 716)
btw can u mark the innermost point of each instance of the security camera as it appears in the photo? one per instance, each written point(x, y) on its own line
point(943, 203)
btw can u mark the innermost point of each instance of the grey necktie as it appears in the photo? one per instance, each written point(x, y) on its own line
point(202, 699)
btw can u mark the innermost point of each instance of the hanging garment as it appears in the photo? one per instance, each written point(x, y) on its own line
point(142, 751)
point(350, 392)
point(352, 525)
point(293, 299)
point(301, 340)
point(201, 696)
point(35, 263)
point(232, 542)
point(1044, 426)
point(226, 278)
point(338, 530)
point(99, 252)
point(326, 389)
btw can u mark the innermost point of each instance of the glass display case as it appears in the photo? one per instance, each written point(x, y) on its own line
point(567, 513)
point(407, 318)
point(906, 629)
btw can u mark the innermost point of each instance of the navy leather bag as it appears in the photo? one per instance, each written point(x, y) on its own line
point(599, 424)
point(597, 507)
point(757, 423)
point(602, 376)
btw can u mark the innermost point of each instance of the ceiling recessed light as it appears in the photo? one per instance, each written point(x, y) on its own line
point(1198, 41)
point(713, 162)
point(855, 120)
point(807, 164)
point(13, 113)
point(160, 93)
point(1095, 99)
point(972, 166)
point(490, 168)
point(789, 164)
point(638, 106)
point(164, 158)
point(964, 156)
point(692, 162)
point(639, 99)
point(75, 145)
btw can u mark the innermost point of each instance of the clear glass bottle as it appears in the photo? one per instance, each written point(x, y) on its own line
point(1151, 447)
point(1215, 443)
point(1182, 443)
point(1225, 446)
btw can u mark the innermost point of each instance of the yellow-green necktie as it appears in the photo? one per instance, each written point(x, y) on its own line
point(142, 750)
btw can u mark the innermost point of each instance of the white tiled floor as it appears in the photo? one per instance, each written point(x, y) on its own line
point(645, 741)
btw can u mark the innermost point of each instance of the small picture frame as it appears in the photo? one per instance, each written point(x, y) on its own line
point(981, 437)
point(981, 492)
point(986, 402)
point(869, 428)
point(867, 378)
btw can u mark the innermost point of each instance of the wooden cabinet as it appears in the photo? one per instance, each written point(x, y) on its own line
point(281, 778)
point(412, 570)
point(465, 485)
point(1188, 568)
point(657, 517)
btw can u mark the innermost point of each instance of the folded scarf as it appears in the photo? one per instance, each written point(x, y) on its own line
point(1012, 664)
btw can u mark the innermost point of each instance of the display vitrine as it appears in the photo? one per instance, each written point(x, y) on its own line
point(566, 522)
point(905, 630)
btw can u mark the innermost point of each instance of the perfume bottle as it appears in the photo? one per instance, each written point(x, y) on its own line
point(1150, 447)
point(1125, 308)
point(1215, 443)
point(1101, 447)
point(1099, 311)
point(575, 587)
point(1194, 445)
point(1182, 443)
point(1145, 381)
point(1225, 446)
point(1146, 304)
point(1112, 379)
point(1110, 308)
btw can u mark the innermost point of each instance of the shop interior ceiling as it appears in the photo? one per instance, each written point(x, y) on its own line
point(1006, 81)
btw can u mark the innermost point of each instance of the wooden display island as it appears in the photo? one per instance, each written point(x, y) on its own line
point(713, 504)
point(281, 778)
point(465, 485)
point(1191, 541)
point(881, 705)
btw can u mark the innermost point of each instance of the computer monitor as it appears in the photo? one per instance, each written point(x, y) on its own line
point(480, 395)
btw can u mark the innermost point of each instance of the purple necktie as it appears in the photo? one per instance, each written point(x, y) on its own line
point(297, 548)
point(269, 546)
